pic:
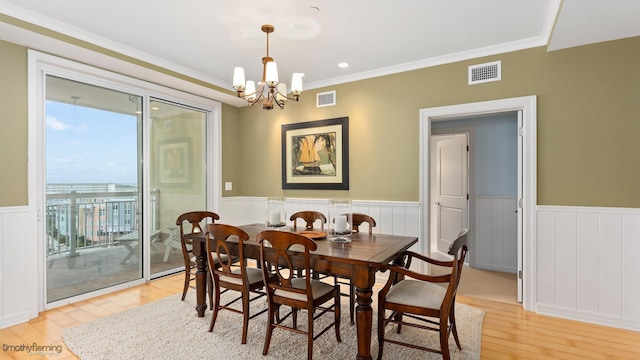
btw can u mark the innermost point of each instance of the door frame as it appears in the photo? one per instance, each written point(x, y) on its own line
point(527, 105)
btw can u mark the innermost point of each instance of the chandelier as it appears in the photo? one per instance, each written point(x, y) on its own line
point(269, 90)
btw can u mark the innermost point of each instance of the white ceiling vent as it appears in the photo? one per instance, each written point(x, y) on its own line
point(326, 99)
point(482, 73)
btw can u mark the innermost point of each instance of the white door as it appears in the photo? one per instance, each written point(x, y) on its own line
point(451, 197)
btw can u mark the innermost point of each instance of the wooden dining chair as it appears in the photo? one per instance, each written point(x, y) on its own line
point(191, 223)
point(357, 219)
point(297, 292)
point(420, 297)
point(309, 217)
point(230, 274)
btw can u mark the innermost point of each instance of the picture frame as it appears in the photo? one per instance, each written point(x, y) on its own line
point(315, 155)
point(174, 162)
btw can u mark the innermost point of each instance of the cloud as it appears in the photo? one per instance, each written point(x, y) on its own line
point(55, 124)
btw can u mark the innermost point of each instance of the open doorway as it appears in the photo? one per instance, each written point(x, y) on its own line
point(475, 158)
point(525, 107)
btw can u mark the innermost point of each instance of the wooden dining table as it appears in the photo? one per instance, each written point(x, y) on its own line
point(359, 260)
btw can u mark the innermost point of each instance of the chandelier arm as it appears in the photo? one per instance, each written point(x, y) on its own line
point(292, 97)
point(259, 94)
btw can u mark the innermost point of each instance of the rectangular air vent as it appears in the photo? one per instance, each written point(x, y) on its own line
point(482, 73)
point(326, 99)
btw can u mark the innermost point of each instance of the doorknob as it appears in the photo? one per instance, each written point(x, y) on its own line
point(438, 203)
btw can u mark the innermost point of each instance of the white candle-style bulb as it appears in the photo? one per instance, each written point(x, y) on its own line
point(281, 95)
point(271, 77)
point(296, 83)
point(250, 91)
point(238, 78)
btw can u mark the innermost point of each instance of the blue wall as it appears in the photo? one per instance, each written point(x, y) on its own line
point(496, 153)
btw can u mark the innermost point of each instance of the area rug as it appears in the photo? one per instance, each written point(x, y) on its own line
point(170, 329)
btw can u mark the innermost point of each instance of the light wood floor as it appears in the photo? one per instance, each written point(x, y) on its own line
point(508, 332)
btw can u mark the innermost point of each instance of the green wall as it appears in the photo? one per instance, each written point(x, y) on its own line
point(13, 125)
point(588, 126)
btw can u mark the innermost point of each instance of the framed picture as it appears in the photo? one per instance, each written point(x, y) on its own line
point(174, 161)
point(315, 155)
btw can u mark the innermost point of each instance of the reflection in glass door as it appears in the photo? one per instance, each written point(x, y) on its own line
point(178, 177)
point(93, 193)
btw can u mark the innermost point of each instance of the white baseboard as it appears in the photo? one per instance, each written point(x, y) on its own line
point(589, 317)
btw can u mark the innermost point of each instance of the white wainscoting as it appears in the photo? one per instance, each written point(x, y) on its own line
point(587, 264)
point(15, 266)
point(495, 242)
point(392, 217)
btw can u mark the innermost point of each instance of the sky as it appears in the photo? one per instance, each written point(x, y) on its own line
point(85, 145)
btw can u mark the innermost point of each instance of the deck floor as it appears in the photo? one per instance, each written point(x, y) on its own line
point(99, 268)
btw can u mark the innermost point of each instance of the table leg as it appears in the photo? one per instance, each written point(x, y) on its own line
point(364, 322)
point(364, 314)
point(201, 277)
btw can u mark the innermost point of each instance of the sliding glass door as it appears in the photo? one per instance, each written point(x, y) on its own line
point(178, 177)
point(93, 193)
point(119, 167)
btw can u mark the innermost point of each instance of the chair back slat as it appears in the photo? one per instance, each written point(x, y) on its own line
point(195, 219)
point(309, 218)
point(280, 243)
point(358, 219)
point(219, 254)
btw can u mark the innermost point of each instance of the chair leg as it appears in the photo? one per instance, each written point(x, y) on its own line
point(215, 309)
point(444, 340)
point(267, 338)
point(381, 324)
point(245, 316)
point(187, 278)
point(310, 335)
point(398, 317)
point(352, 301)
point(337, 313)
point(210, 290)
point(294, 317)
point(454, 329)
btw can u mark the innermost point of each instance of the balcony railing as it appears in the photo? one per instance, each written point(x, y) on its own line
point(84, 220)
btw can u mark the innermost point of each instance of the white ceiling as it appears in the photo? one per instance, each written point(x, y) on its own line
point(205, 39)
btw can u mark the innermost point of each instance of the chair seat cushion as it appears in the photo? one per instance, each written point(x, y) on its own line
point(417, 293)
point(253, 276)
point(318, 289)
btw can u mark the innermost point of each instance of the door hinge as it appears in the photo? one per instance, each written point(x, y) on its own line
point(467, 148)
point(520, 203)
point(520, 274)
point(467, 196)
point(520, 131)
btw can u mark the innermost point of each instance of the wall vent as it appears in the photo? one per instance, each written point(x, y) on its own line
point(482, 73)
point(326, 99)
